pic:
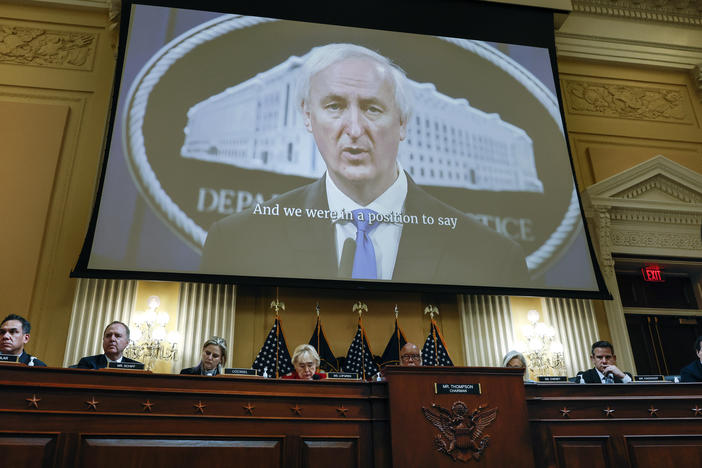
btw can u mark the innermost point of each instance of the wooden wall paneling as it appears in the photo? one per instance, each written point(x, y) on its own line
point(58, 56)
point(582, 452)
point(26, 182)
point(340, 452)
point(116, 451)
point(664, 451)
point(27, 450)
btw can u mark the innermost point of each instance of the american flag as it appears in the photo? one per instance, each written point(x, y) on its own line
point(391, 355)
point(359, 358)
point(274, 355)
point(434, 352)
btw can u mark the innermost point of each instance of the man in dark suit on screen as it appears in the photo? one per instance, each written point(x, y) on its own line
point(365, 218)
point(605, 368)
point(115, 339)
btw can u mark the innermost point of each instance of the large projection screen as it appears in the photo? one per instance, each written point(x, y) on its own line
point(230, 157)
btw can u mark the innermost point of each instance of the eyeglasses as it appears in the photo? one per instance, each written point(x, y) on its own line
point(410, 357)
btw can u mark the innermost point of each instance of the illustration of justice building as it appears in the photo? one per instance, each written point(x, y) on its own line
point(257, 125)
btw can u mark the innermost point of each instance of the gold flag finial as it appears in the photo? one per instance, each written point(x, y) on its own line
point(360, 307)
point(316, 309)
point(277, 306)
point(431, 310)
point(397, 311)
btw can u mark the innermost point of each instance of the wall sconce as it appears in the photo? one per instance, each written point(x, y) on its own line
point(149, 341)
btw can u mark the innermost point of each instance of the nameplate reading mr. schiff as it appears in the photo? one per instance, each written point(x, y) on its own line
point(125, 365)
point(470, 389)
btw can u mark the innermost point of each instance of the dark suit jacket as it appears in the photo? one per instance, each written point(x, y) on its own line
point(245, 244)
point(25, 358)
point(99, 361)
point(591, 376)
point(197, 370)
point(692, 372)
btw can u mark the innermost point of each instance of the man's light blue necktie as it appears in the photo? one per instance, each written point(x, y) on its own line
point(364, 259)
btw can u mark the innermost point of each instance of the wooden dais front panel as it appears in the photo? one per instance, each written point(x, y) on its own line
point(84, 418)
point(636, 425)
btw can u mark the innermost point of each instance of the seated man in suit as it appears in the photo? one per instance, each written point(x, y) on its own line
point(14, 334)
point(605, 362)
point(356, 104)
point(114, 339)
point(693, 371)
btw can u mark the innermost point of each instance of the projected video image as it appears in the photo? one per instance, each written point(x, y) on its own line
point(255, 147)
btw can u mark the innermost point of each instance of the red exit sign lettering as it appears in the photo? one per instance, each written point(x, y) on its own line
point(652, 273)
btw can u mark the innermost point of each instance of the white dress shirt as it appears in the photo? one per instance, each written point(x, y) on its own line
point(385, 237)
point(626, 378)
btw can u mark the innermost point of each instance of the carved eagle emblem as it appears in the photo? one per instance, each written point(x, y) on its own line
point(461, 433)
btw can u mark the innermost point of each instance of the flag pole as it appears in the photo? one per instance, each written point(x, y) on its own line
point(277, 306)
point(397, 334)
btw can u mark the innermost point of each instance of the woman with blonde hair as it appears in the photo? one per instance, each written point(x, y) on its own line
point(214, 356)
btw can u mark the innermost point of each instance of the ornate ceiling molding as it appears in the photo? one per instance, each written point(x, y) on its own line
point(688, 12)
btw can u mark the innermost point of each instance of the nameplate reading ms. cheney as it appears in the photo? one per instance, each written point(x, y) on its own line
point(470, 389)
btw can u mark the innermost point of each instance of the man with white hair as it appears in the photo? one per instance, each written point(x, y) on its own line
point(357, 103)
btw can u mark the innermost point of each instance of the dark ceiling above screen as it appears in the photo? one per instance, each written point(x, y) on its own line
point(207, 131)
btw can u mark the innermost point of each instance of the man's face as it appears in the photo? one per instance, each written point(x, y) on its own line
point(603, 357)
point(410, 356)
point(351, 112)
point(12, 338)
point(114, 341)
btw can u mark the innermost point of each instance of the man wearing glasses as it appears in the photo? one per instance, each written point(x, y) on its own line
point(410, 355)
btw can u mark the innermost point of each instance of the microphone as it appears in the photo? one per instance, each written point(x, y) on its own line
point(609, 377)
point(347, 254)
point(317, 376)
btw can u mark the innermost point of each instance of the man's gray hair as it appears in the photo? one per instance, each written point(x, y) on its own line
point(325, 56)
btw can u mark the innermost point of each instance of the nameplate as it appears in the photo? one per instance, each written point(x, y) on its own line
point(125, 365)
point(469, 389)
point(649, 378)
point(8, 358)
point(239, 371)
point(342, 375)
point(553, 378)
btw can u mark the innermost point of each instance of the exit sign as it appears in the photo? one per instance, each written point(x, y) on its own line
point(652, 273)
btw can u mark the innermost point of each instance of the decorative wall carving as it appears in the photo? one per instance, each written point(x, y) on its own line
point(667, 11)
point(669, 240)
point(663, 184)
point(48, 48)
point(625, 101)
point(655, 216)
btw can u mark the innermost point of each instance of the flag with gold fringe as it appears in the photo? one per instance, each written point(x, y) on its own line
point(327, 360)
point(359, 358)
point(434, 352)
point(274, 356)
point(391, 355)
